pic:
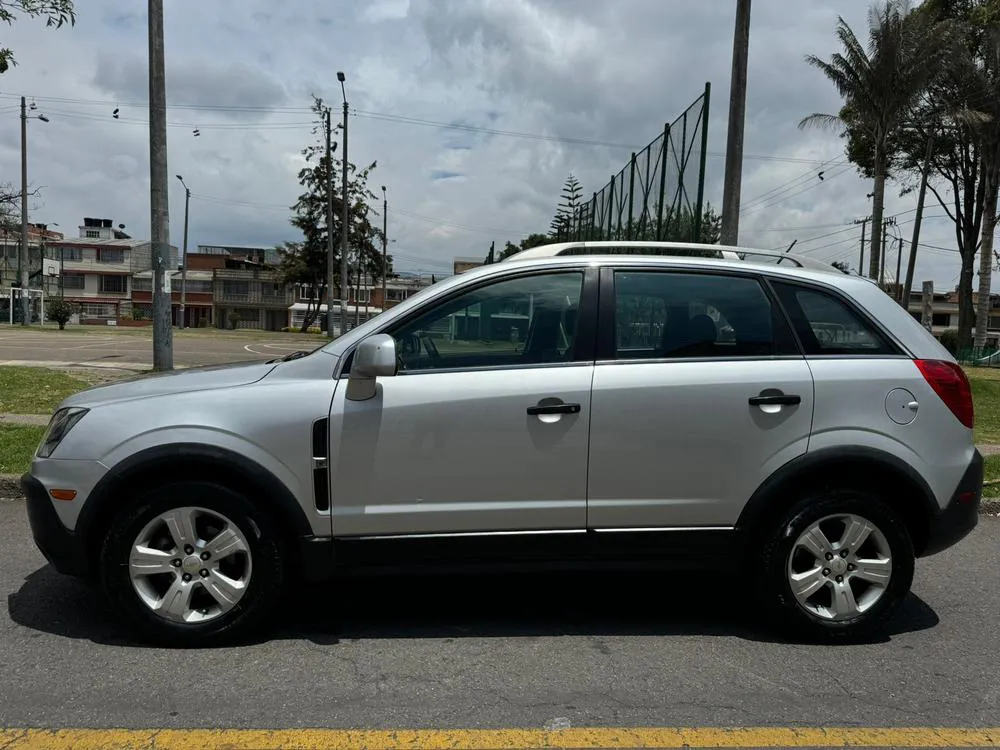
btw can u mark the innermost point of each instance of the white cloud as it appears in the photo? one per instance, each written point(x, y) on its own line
point(242, 73)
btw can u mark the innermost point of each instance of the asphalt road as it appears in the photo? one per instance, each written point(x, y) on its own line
point(131, 348)
point(490, 652)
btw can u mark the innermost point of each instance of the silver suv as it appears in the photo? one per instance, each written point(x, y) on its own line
point(589, 403)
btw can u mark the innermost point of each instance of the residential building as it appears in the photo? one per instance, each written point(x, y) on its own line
point(39, 235)
point(98, 267)
point(197, 290)
point(250, 298)
point(262, 254)
point(461, 265)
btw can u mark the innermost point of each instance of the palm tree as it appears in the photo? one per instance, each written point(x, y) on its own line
point(880, 84)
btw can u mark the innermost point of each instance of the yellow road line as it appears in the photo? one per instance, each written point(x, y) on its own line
point(491, 739)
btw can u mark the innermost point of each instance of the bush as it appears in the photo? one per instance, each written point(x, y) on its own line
point(60, 311)
point(203, 323)
point(314, 329)
point(234, 319)
point(949, 340)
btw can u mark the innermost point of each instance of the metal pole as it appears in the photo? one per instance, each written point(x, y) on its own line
point(698, 209)
point(184, 259)
point(24, 259)
point(734, 139)
point(663, 183)
point(329, 228)
point(881, 270)
point(899, 263)
point(385, 243)
point(927, 306)
point(911, 261)
point(344, 229)
point(163, 355)
point(629, 233)
point(861, 259)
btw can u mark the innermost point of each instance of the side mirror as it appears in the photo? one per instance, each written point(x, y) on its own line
point(374, 358)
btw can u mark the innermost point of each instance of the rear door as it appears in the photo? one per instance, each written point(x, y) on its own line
point(700, 393)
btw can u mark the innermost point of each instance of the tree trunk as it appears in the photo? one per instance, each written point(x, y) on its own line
point(986, 257)
point(878, 204)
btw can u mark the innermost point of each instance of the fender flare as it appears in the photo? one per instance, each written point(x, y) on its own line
point(106, 490)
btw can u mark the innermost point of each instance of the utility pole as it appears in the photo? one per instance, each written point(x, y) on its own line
point(25, 258)
point(889, 221)
point(163, 354)
point(734, 139)
point(385, 243)
point(927, 305)
point(329, 228)
point(345, 225)
point(861, 260)
point(911, 262)
point(899, 261)
point(184, 259)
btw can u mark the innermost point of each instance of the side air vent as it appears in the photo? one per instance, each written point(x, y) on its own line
point(320, 461)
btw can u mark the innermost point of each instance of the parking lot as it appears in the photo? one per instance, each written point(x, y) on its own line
point(133, 348)
point(559, 651)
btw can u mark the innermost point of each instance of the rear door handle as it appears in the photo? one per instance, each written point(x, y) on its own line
point(777, 400)
point(554, 409)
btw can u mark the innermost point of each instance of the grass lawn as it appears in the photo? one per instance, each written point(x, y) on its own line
point(35, 390)
point(985, 383)
point(17, 446)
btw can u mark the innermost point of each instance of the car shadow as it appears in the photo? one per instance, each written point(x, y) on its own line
point(461, 606)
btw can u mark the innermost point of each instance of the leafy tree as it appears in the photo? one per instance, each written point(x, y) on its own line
point(56, 12)
point(562, 222)
point(880, 84)
point(532, 240)
point(841, 265)
point(305, 262)
point(60, 311)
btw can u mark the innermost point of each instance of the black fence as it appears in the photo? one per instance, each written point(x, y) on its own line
point(659, 194)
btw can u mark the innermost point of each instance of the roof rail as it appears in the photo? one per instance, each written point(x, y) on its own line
point(676, 249)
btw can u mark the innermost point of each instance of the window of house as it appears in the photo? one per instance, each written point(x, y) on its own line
point(92, 310)
point(114, 284)
point(73, 281)
point(525, 321)
point(828, 325)
point(110, 255)
point(236, 288)
point(69, 253)
point(92, 234)
point(664, 315)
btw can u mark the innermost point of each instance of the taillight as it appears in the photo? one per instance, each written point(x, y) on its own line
point(951, 384)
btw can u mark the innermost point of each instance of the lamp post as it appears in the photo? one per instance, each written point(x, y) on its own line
point(344, 227)
point(385, 243)
point(184, 253)
point(24, 261)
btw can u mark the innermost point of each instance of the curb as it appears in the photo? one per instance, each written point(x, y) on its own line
point(10, 489)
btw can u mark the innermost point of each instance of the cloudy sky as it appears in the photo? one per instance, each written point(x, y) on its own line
point(538, 88)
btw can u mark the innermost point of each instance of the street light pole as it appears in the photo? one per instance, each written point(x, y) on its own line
point(329, 227)
point(24, 257)
point(345, 227)
point(385, 243)
point(184, 257)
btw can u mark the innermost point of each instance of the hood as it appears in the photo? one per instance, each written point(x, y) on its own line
point(176, 381)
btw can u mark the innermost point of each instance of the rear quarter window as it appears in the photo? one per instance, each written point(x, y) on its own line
point(828, 325)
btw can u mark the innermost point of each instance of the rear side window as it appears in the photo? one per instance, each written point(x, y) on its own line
point(827, 325)
point(667, 315)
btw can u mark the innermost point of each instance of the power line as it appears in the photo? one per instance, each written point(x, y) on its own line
point(804, 177)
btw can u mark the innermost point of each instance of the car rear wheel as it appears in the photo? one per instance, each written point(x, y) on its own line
point(193, 563)
point(836, 566)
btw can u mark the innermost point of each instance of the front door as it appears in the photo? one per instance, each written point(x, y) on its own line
point(700, 393)
point(485, 427)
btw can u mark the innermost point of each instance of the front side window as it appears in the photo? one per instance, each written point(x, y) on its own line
point(667, 315)
point(826, 325)
point(529, 320)
point(113, 284)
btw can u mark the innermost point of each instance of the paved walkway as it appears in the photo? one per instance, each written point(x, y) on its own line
point(31, 419)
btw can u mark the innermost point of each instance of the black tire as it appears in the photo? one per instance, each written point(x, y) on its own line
point(776, 543)
point(267, 554)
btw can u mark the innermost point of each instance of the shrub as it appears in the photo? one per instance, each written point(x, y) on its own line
point(949, 340)
point(203, 323)
point(234, 319)
point(60, 311)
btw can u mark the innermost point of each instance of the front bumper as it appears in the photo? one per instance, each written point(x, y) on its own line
point(961, 514)
point(60, 546)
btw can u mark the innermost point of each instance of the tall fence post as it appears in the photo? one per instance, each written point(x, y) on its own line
point(698, 209)
point(663, 180)
point(593, 217)
point(631, 198)
point(611, 203)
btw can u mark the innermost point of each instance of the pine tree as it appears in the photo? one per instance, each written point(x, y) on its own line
point(566, 212)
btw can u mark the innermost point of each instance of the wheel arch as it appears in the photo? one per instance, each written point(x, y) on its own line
point(190, 461)
point(892, 479)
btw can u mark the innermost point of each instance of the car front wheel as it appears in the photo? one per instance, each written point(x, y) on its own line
point(192, 563)
point(836, 566)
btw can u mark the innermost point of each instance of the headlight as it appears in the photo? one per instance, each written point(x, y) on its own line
point(59, 426)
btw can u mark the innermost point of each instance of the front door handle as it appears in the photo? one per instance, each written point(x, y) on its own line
point(554, 409)
point(776, 400)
